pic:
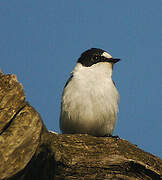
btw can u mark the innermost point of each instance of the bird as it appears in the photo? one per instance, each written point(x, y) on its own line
point(89, 103)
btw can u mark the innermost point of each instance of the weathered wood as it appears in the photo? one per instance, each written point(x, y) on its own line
point(20, 127)
point(29, 152)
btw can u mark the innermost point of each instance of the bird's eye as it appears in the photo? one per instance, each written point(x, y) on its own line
point(96, 57)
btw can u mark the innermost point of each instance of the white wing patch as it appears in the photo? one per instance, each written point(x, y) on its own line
point(107, 55)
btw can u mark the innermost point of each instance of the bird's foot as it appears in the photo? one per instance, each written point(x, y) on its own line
point(109, 135)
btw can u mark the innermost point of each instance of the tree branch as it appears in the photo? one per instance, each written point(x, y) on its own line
point(29, 151)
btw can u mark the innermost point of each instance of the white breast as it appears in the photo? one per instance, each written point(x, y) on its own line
point(90, 101)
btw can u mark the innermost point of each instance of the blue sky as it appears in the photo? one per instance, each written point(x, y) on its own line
point(40, 42)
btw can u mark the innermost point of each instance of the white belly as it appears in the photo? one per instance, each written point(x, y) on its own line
point(89, 106)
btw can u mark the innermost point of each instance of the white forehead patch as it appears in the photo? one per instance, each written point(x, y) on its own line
point(106, 55)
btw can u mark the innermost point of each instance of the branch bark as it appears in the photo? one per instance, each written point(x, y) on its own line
point(29, 151)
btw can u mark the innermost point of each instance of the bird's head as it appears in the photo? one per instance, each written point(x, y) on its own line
point(94, 55)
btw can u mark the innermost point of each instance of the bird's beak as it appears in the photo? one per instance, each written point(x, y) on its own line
point(113, 60)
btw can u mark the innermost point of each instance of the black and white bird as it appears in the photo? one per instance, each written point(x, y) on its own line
point(90, 99)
